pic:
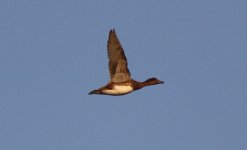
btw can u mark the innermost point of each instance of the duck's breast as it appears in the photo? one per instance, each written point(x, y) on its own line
point(119, 90)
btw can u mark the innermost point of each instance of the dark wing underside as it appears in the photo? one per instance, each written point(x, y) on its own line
point(118, 65)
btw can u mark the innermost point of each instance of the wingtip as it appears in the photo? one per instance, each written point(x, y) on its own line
point(112, 33)
point(112, 30)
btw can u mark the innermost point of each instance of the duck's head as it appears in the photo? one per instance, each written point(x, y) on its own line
point(153, 81)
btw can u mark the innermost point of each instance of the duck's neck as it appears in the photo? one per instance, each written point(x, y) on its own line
point(149, 82)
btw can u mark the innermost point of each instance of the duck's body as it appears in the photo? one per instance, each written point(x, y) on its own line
point(115, 89)
point(123, 88)
point(121, 82)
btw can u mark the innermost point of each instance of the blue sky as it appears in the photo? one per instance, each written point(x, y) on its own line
point(53, 52)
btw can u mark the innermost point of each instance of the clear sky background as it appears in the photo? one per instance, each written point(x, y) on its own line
point(53, 52)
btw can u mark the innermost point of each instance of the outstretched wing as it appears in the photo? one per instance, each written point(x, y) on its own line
point(118, 65)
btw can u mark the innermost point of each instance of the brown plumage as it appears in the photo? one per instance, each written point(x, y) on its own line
point(118, 65)
point(121, 82)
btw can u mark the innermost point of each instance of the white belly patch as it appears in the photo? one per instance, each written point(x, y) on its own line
point(118, 89)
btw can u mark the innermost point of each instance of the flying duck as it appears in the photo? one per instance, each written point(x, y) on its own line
point(121, 82)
